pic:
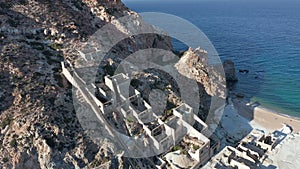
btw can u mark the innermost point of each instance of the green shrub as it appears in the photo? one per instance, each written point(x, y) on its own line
point(6, 122)
point(55, 46)
point(169, 112)
point(13, 142)
point(195, 147)
point(177, 147)
point(184, 152)
point(129, 119)
point(23, 2)
point(111, 11)
point(5, 159)
point(95, 163)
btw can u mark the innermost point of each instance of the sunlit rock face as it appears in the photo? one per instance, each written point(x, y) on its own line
point(194, 65)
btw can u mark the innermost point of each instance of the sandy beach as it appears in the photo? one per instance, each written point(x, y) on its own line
point(240, 118)
point(264, 117)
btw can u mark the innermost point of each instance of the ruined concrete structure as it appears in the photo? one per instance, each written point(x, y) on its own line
point(250, 153)
point(152, 131)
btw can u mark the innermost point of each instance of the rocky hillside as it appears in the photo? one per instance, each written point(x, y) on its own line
point(38, 124)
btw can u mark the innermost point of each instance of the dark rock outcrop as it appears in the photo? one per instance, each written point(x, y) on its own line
point(245, 71)
point(230, 73)
point(229, 70)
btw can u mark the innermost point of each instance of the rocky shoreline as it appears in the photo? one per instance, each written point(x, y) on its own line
point(253, 111)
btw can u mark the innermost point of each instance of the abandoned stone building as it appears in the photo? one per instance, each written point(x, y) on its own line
point(250, 153)
point(148, 132)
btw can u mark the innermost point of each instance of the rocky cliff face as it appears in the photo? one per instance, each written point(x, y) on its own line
point(194, 64)
point(39, 127)
point(211, 82)
point(38, 124)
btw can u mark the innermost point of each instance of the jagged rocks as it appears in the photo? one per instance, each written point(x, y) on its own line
point(39, 128)
point(230, 73)
point(194, 65)
point(245, 71)
point(229, 70)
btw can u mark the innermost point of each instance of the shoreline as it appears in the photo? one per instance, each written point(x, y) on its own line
point(265, 117)
point(280, 114)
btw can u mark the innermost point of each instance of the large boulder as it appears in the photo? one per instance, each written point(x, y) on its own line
point(194, 65)
point(230, 74)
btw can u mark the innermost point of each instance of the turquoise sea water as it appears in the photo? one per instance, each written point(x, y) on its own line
point(260, 36)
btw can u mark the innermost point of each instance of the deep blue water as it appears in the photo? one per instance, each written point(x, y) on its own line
point(261, 36)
